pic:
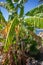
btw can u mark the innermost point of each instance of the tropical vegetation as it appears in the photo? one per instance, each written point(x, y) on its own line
point(17, 35)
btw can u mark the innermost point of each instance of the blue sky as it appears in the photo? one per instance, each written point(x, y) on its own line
point(27, 7)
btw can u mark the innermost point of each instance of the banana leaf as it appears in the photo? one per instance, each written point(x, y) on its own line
point(36, 22)
point(10, 34)
point(34, 11)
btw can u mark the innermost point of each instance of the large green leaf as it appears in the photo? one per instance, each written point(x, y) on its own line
point(37, 22)
point(35, 11)
point(10, 34)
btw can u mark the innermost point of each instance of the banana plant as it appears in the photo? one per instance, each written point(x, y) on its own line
point(10, 32)
point(16, 27)
point(9, 5)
